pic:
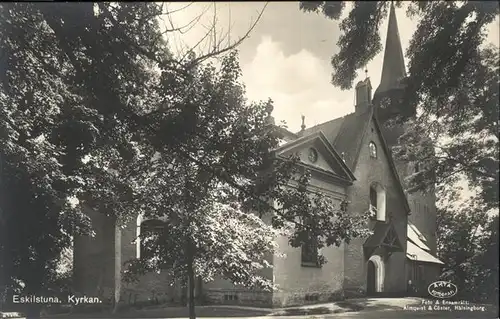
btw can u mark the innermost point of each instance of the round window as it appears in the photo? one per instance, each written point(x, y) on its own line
point(313, 155)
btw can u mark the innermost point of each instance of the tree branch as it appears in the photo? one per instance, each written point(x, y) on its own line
point(234, 45)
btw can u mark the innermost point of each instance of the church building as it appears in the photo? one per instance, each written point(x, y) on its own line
point(349, 158)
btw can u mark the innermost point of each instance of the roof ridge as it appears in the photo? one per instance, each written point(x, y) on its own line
point(342, 131)
point(343, 127)
point(391, 161)
point(329, 121)
point(358, 149)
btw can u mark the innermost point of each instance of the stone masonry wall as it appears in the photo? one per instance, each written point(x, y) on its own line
point(367, 171)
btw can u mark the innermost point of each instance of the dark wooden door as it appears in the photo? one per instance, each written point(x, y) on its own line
point(370, 286)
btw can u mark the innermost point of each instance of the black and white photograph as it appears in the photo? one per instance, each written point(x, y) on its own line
point(249, 159)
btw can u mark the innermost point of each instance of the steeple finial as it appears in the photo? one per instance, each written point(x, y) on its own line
point(393, 69)
point(303, 126)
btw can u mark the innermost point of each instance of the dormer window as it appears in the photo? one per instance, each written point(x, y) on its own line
point(373, 150)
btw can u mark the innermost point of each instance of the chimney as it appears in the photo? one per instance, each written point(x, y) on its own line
point(363, 95)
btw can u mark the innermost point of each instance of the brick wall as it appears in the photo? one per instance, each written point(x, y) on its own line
point(423, 207)
point(395, 280)
point(367, 171)
point(430, 274)
point(422, 204)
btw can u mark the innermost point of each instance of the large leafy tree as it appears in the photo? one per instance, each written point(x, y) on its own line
point(89, 94)
point(468, 246)
point(452, 79)
point(223, 181)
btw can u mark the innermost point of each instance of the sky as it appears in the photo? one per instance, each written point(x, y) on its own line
point(287, 56)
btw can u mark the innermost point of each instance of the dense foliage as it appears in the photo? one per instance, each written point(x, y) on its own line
point(453, 79)
point(96, 112)
point(468, 246)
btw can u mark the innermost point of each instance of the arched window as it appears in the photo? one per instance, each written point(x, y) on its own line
point(373, 198)
point(373, 150)
point(146, 230)
point(377, 202)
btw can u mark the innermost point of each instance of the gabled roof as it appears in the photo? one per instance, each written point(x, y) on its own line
point(286, 134)
point(415, 253)
point(384, 234)
point(346, 135)
point(415, 236)
point(416, 249)
point(392, 165)
point(333, 155)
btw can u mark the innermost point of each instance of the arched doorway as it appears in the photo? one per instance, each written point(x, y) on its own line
point(375, 275)
point(370, 284)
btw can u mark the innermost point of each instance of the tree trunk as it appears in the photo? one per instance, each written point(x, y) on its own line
point(115, 307)
point(191, 287)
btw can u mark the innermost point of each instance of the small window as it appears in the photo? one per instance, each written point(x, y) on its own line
point(377, 202)
point(373, 150)
point(373, 197)
point(309, 253)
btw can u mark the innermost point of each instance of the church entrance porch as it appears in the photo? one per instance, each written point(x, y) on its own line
point(375, 275)
point(371, 278)
point(378, 249)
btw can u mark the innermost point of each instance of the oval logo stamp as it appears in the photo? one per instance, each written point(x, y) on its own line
point(442, 289)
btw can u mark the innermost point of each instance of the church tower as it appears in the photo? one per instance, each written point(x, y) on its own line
point(388, 104)
point(392, 82)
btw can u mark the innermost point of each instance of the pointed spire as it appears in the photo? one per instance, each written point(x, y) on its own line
point(393, 69)
point(303, 126)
